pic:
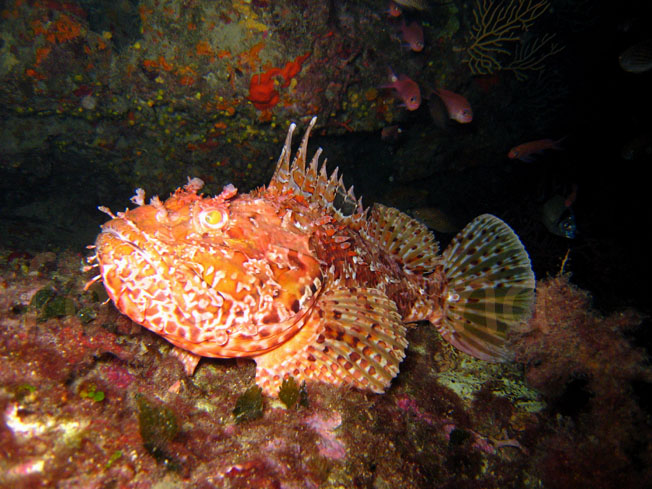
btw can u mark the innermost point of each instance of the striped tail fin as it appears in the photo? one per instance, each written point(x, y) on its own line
point(490, 288)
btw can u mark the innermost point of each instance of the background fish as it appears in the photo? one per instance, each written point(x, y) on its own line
point(413, 4)
point(394, 10)
point(525, 151)
point(407, 90)
point(304, 280)
point(390, 133)
point(639, 147)
point(412, 34)
point(558, 217)
point(457, 106)
point(637, 58)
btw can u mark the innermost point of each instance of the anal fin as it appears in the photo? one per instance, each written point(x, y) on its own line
point(354, 336)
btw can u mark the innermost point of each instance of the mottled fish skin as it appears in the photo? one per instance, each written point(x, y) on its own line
point(304, 280)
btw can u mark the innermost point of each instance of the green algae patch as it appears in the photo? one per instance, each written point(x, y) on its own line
point(158, 426)
point(470, 375)
point(92, 393)
point(86, 314)
point(49, 304)
point(117, 455)
point(42, 297)
point(292, 393)
point(249, 405)
point(58, 307)
point(25, 387)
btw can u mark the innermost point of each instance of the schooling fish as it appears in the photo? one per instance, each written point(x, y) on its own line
point(413, 4)
point(301, 278)
point(394, 10)
point(639, 147)
point(412, 34)
point(390, 133)
point(458, 108)
point(558, 217)
point(525, 151)
point(406, 88)
point(637, 58)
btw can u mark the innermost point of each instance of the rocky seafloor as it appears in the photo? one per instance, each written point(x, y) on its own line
point(90, 399)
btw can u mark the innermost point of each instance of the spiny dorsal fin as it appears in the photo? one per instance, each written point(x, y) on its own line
point(354, 337)
point(311, 180)
point(490, 288)
point(405, 238)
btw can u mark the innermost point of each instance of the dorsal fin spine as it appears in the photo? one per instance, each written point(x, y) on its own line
point(312, 181)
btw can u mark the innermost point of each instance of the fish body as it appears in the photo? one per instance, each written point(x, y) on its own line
point(637, 148)
point(394, 10)
point(407, 90)
point(558, 217)
point(390, 133)
point(413, 4)
point(525, 151)
point(412, 34)
point(637, 58)
point(301, 278)
point(458, 108)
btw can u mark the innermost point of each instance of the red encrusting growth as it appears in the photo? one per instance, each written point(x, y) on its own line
point(292, 68)
point(262, 90)
point(262, 87)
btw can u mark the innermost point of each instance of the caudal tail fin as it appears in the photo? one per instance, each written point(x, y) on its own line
point(490, 288)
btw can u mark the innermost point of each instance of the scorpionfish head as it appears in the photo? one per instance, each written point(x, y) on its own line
point(222, 276)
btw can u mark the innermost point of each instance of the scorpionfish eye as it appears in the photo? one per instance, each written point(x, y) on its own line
point(213, 219)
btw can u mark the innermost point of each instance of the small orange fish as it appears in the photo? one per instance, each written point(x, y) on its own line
point(413, 4)
point(413, 35)
point(407, 89)
point(459, 109)
point(394, 10)
point(390, 133)
point(525, 151)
